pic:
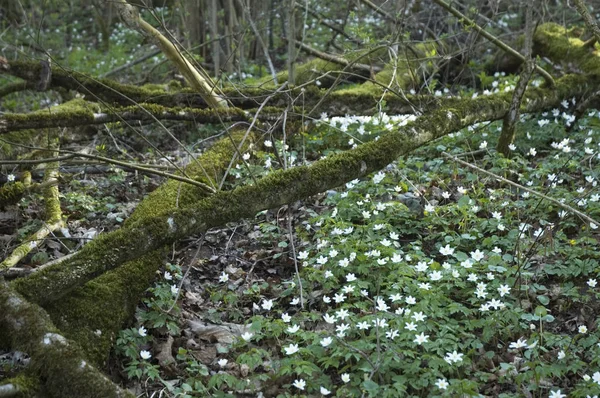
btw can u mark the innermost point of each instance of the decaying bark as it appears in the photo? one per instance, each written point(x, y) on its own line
point(59, 362)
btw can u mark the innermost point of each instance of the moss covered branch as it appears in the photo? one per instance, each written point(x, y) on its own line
point(281, 187)
point(357, 102)
point(59, 362)
point(554, 41)
point(52, 222)
point(82, 113)
point(10, 194)
point(15, 88)
point(93, 314)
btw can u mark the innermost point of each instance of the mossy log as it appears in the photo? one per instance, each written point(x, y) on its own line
point(15, 88)
point(281, 187)
point(53, 222)
point(82, 113)
point(11, 193)
point(555, 42)
point(21, 386)
point(58, 361)
point(358, 102)
point(92, 315)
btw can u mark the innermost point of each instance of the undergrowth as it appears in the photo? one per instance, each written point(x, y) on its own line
point(425, 279)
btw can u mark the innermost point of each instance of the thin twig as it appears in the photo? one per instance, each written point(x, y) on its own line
point(514, 184)
point(493, 39)
point(294, 257)
point(588, 19)
point(132, 167)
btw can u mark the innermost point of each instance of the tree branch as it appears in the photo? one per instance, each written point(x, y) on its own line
point(514, 184)
point(278, 188)
point(588, 19)
point(469, 23)
point(59, 362)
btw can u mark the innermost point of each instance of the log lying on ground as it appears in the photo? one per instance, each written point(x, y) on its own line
point(10, 194)
point(57, 360)
point(82, 113)
point(111, 92)
point(449, 118)
point(281, 187)
point(554, 42)
point(93, 314)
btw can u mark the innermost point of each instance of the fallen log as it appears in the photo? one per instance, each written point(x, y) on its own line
point(279, 188)
point(58, 361)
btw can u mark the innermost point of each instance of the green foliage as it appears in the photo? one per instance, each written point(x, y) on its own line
point(429, 278)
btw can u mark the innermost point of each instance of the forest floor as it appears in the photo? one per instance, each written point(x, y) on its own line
point(428, 277)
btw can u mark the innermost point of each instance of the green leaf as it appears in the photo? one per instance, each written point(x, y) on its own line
point(541, 311)
point(543, 299)
point(371, 387)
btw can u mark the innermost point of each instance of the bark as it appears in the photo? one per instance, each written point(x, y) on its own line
point(507, 136)
point(57, 360)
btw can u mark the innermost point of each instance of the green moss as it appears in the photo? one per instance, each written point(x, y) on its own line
point(93, 314)
point(11, 193)
point(107, 89)
point(209, 169)
point(58, 361)
point(555, 42)
point(27, 386)
point(71, 113)
point(150, 111)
